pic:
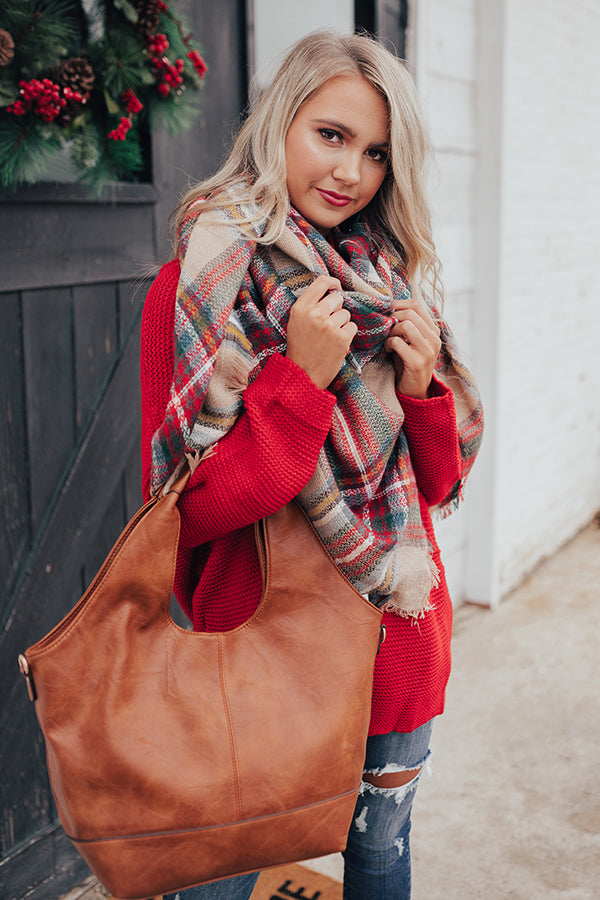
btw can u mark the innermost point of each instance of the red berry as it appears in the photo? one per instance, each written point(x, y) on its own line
point(197, 62)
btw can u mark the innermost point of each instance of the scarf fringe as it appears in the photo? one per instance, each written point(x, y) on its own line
point(415, 603)
point(414, 614)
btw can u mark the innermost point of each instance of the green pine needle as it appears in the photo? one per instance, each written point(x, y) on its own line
point(86, 146)
point(43, 31)
point(125, 157)
point(176, 46)
point(128, 10)
point(116, 61)
point(9, 89)
point(25, 150)
point(173, 114)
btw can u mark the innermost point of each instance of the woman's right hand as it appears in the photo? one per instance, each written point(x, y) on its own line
point(320, 331)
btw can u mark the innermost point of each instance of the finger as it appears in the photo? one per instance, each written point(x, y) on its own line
point(350, 330)
point(421, 309)
point(426, 326)
point(412, 333)
point(407, 335)
point(412, 361)
point(399, 346)
point(340, 317)
point(411, 303)
point(324, 284)
point(332, 301)
point(316, 290)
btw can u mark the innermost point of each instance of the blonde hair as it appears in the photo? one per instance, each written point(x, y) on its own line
point(258, 154)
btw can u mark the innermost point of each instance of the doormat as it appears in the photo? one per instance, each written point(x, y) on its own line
point(294, 882)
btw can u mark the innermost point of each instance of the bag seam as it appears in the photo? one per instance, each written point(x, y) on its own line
point(230, 734)
point(156, 834)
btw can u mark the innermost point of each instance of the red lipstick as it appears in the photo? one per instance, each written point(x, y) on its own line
point(333, 198)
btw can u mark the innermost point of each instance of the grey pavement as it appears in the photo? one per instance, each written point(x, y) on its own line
point(512, 810)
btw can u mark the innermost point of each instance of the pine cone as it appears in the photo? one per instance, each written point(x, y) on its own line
point(7, 47)
point(148, 15)
point(77, 74)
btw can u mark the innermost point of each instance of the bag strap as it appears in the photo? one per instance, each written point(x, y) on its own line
point(178, 486)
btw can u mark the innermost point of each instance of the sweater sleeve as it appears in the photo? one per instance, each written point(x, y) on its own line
point(432, 435)
point(265, 459)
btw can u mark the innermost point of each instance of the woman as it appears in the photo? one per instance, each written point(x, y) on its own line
point(310, 361)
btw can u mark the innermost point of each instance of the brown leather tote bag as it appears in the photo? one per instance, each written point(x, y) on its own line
point(177, 758)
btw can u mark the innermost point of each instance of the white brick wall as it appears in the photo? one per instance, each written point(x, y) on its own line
point(511, 92)
point(549, 445)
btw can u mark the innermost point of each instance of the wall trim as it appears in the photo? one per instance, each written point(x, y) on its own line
point(482, 530)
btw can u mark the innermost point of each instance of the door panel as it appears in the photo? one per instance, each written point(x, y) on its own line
point(74, 277)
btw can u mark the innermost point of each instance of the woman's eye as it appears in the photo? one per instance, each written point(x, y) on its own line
point(330, 135)
point(377, 155)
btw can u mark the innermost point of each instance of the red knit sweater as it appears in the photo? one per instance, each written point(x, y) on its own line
point(261, 464)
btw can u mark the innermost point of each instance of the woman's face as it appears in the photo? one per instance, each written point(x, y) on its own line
point(336, 151)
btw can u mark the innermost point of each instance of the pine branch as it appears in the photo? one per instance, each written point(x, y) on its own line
point(125, 157)
point(42, 32)
point(128, 10)
point(25, 151)
point(177, 45)
point(174, 115)
point(86, 146)
point(180, 43)
point(9, 89)
point(118, 161)
point(116, 60)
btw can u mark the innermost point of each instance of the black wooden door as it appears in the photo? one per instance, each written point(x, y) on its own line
point(385, 18)
point(71, 293)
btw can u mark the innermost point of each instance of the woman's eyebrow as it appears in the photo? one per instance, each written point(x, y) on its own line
point(339, 126)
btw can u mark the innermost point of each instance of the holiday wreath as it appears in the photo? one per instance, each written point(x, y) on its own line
point(92, 79)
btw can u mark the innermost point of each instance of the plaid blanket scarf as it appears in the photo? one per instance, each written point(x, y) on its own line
point(233, 302)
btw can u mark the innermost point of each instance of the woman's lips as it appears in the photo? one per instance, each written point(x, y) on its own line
point(333, 198)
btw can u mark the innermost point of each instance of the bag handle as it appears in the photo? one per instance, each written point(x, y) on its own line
point(294, 562)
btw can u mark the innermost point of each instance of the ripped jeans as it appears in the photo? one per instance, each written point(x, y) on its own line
point(377, 857)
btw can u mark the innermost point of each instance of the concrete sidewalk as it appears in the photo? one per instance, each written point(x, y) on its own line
point(512, 811)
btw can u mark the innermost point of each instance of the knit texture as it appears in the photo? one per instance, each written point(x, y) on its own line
point(262, 463)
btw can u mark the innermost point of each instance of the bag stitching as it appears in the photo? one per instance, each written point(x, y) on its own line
point(230, 734)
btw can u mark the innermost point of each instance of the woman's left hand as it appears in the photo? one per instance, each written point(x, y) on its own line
point(414, 343)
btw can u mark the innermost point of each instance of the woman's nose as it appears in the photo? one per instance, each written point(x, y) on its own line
point(347, 169)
